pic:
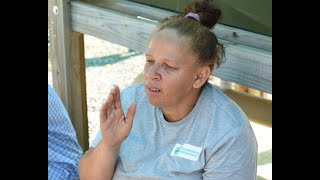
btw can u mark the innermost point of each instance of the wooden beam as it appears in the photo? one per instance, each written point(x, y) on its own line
point(234, 35)
point(245, 65)
point(242, 37)
point(111, 26)
point(68, 67)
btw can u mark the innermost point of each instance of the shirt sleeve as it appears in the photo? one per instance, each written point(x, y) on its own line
point(234, 157)
point(64, 151)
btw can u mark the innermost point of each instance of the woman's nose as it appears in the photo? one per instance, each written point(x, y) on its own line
point(152, 72)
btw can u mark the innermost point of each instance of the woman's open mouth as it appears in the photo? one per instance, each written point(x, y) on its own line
point(153, 91)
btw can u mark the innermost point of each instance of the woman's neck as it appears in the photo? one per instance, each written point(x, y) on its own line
point(178, 112)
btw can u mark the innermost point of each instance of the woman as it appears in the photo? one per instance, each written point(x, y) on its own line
point(177, 125)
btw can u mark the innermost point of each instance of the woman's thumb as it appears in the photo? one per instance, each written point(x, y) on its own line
point(130, 114)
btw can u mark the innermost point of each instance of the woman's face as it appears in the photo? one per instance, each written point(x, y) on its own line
point(170, 70)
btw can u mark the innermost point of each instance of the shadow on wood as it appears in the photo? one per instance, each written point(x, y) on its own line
point(258, 109)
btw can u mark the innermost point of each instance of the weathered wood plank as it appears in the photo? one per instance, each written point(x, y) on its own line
point(68, 67)
point(133, 8)
point(112, 26)
point(224, 32)
point(243, 37)
point(247, 66)
point(244, 65)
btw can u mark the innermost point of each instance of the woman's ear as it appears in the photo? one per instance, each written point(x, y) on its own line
point(202, 76)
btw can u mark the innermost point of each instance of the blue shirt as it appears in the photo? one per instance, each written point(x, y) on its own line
point(214, 141)
point(64, 151)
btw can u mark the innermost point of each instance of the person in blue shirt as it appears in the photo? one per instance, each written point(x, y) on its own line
point(175, 125)
point(64, 151)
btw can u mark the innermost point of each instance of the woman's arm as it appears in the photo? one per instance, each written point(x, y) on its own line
point(99, 163)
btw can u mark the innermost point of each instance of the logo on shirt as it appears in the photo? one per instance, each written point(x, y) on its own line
point(136, 138)
point(186, 151)
point(176, 152)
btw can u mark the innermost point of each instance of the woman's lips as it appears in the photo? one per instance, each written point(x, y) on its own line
point(152, 90)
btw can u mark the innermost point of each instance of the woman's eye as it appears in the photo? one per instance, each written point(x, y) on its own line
point(149, 61)
point(168, 67)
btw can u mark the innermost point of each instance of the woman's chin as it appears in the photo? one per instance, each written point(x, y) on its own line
point(153, 101)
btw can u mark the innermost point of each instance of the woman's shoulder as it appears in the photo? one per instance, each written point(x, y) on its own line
point(134, 87)
point(225, 105)
point(227, 120)
point(134, 93)
point(213, 95)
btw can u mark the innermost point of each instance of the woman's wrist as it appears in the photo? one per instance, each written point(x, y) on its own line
point(109, 148)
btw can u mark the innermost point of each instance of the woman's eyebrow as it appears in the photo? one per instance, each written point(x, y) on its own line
point(163, 59)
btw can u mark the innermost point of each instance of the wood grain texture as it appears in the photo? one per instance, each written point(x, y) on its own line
point(224, 32)
point(68, 67)
point(245, 65)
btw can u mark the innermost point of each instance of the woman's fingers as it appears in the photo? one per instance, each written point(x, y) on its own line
point(103, 112)
point(117, 97)
point(109, 102)
point(118, 104)
point(130, 114)
point(114, 126)
point(113, 94)
point(106, 109)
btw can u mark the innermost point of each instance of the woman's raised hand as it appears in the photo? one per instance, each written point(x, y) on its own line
point(114, 125)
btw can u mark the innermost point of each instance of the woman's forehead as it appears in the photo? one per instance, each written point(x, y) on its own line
point(168, 39)
point(169, 34)
point(164, 46)
point(167, 45)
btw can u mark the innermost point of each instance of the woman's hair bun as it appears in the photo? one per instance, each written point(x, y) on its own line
point(208, 12)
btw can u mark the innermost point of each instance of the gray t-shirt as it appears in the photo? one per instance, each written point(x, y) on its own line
point(214, 141)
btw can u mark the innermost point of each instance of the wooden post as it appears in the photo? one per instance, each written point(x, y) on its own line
point(68, 66)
